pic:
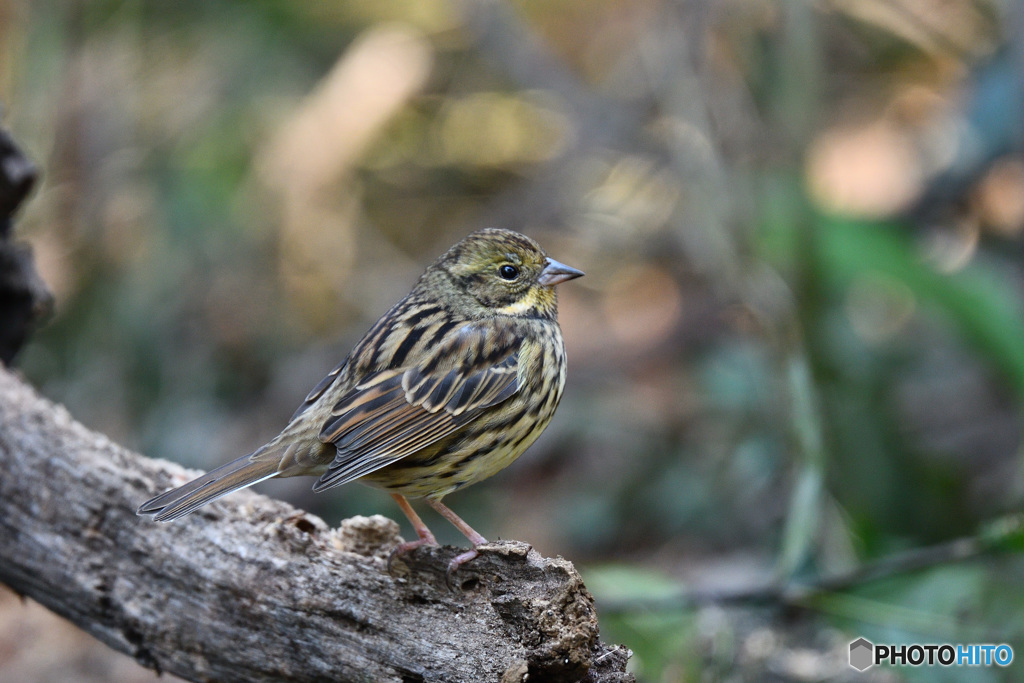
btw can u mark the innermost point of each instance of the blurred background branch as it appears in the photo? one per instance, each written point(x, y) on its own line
point(1001, 535)
point(797, 353)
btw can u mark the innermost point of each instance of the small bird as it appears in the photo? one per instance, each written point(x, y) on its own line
point(448, 388)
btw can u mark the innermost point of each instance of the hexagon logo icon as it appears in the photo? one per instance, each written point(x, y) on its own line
point(862, 654)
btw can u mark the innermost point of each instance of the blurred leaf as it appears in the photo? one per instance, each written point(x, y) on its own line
point(804, 517)
point(623, 583)
point(982, 305)
point(656, 638)
point(1005, 533)
point(659, 641)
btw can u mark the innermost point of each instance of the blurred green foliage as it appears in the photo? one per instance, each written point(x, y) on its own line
point(799, 346)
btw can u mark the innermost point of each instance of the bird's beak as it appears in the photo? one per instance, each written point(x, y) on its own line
point(555, 273)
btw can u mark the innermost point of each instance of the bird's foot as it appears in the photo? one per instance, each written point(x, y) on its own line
point(453, 566)
point(403, 548)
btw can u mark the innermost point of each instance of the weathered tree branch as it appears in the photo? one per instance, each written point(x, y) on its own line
point(250, 588)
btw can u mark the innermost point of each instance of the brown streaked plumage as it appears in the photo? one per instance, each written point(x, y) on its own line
point(448, 388)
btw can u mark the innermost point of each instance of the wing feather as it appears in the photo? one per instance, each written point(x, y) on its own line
point(319, 389)
point(394, 413)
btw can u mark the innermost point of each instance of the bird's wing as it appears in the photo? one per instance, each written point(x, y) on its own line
point(319, 389)
point(397, 412)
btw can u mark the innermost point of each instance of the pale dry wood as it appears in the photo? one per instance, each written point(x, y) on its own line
point(249, 588)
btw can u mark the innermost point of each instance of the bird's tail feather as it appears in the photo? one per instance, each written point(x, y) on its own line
point(237, 474)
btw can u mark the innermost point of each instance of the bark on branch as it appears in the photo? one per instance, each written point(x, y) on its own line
point(250, 588)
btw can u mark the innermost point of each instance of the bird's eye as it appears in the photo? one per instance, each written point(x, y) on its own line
point(508, 272)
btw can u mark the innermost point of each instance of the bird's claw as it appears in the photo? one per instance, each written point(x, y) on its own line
point(453, 566)
point(403, 548)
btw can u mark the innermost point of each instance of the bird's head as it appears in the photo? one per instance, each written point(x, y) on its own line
point(500, 272)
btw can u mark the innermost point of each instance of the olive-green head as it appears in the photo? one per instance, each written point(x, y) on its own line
point(501, 272)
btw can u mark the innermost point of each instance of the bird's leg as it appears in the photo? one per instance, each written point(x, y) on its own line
point(425, 537)
point(468, 531)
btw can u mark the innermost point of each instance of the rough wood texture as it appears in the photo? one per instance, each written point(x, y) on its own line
point(250, 588)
